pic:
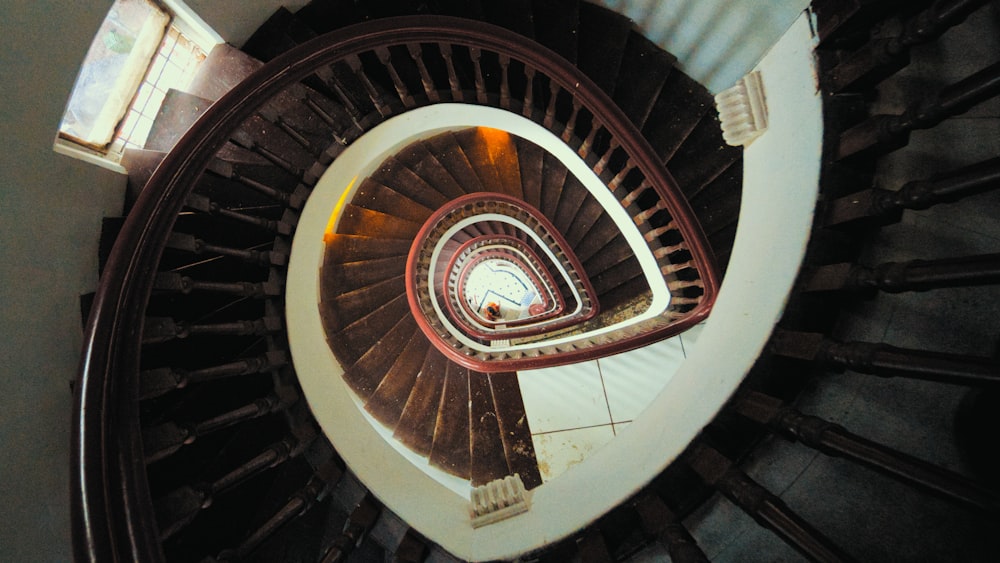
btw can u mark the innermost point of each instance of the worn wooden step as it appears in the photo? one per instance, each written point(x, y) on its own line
point(570, 200)
point(422, 162)
point(603, 36)
point(349, 307)
point(366, 374)
point(702, 156)
point(400, 178)
point(554, 177)
point(445, 147)
point(615, 276)
point(282, 31)
point(350, 276)
point(350, 342)
point(644, 70)
point(360, 221)
point(488, 461)
point(677, 111)
point(353, 248)
point(324, 16)
point(450, 449)
point(557, 26)
point(599, 236)
point(531, 161)
point(225, 66)
point(389, 399)
point(515, 432)
point(415, 428)
point(177, 113)
point(377, 197)
point(493, 156)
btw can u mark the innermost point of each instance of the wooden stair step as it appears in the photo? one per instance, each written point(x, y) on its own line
point(225, 66)
point(177, 113)
point(601, 235)
point(279, 33)
point(603, 36)
point(450, 449)
point(447, 151)
point(324, 16)
point(557, 26)
point(615, 276)
point(587, 218)
point(612, 254)
point(140, 163)
point(515, 431)
point(624, 292)
point(488, 461)
point(360, 221)
point(702, 157)
point(368, 372)
point(388, 401)
point(570, 200)
point(415, 428)
point(553, 179)
point(350, 342)
point(353, 248)
point(515, 15)
point(349, 307)
point(677, 111)
point(644, 70)
point(349, 276)
point(531, 161)
point(377, 197)
point(490, 157)
point(400, 178)
point(419, 158)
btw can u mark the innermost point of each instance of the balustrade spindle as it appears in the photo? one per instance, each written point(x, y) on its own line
point(661, 522)
point(416, 53)
point(505, 81)
point(189, 243)
point(401, 89)
point(158, 381)
point(882, 57)
point(357, 67)
point(550, 109)
point(529, 93)
point(913, 275)
point(453, 83)
point(833, 439)
point(885, 206)
point(480, 80)
point(359, 522)
point(884, 360)
point(762, 505)
point(884, 133)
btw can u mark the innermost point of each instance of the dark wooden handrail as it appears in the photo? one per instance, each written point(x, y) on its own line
point(111, 508)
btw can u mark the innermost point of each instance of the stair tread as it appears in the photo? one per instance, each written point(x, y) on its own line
point(488, 461)
point(642, 75)
point(586, 219)
point(324, 16)
point(515, 431)
point(140, 164)
point(353, 248)
point(556, 26)
point(570, 200)
point(553, 179)
point(400, 178)
point(415, 428)
point(348, 276)
point(349, 307)
point(419, 159)
point(368, 372)
point(493, 157)
point(702, 156)
point(177, 113)
point(225, 66)
point(531, 161)
point(450, 449)
point(377, 197)
point(454, 161)
point(615, 276)
point(387, 402)
point(279, 33)
point(514, 15)
point(354, 339)
point(601, 235)
point(678, 109)
point(603, 35)
point(356, 220)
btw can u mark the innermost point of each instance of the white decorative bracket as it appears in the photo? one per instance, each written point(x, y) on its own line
point(743, 110)
point(498, 500)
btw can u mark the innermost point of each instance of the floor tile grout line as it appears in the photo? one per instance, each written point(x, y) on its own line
point(607, 403)
point(544, 432)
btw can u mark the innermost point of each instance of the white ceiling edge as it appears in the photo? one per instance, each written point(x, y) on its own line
point(781, 177)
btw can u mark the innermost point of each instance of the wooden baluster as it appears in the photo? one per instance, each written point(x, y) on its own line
point(882, 57)
point(164, 439)
point(476, 54)
point(453, 83)
point(194, 245)
point(430, 89)
point(179, 507)
point(505, 81)
point(401, 90)
point(550, 110)
point(359, 522)
point(173, 281)
point(913, 275)
point(606, 157)
point(163, 329)
point(358, 68)
point(661, 522)
point(884, 360)
point(887, 132)
point(567, 133)
point(885, 206)
point(763, 506)
point(158, 381)
point(833, 439)
point(203, 204)
point(529, 92)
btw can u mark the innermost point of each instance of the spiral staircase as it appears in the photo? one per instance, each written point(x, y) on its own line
point(196, 440)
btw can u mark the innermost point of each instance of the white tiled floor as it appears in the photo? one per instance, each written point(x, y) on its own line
point(574, 410)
